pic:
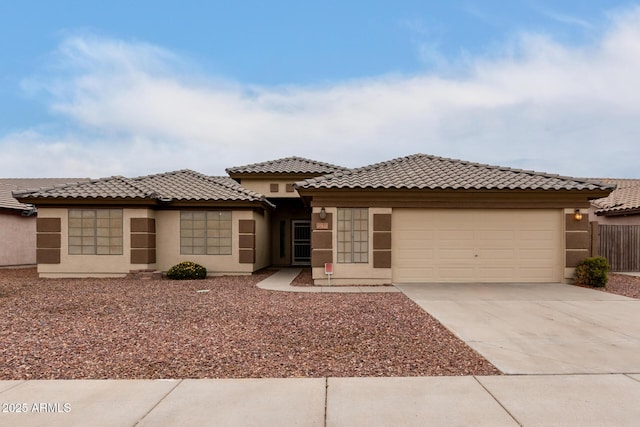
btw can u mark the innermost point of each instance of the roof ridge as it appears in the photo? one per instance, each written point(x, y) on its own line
point(508, 169)
point(464, 162)
point(245, 168)
point(209, 179)
point(422, 171)
point(238, 188)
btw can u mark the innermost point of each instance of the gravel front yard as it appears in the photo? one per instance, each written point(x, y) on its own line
point(628, 286)
point(122, 328)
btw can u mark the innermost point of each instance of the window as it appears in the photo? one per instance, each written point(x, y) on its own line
point(95, 231)
point(205, 233)
point(353, 235)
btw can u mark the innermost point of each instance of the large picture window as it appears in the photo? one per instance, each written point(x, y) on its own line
point(95, 231)
point(205, 233)
point(353, 235)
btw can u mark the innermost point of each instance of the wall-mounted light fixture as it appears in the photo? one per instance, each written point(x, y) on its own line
point(577, 215)
point(323, 213)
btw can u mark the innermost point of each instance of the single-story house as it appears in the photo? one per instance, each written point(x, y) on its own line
point(419, 218)
point(18, 220)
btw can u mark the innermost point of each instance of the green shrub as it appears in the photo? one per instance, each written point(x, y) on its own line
point(187, 271)
point(592, 272)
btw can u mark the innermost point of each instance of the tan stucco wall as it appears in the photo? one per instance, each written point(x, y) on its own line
point(167, 248)
point(168, 245)
point(263, 186)
point(90, 265)
point(17, 239)
point(353, 274)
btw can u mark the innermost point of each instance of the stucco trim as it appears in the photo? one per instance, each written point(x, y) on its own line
point(381, 259)
point(321, 256)
point(143, 256)
point(247, 241)
point(48, 225)
point(381, 222)
point(48, 256)
point(246, 226)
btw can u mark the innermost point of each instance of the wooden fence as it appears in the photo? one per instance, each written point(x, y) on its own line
point(620, 245)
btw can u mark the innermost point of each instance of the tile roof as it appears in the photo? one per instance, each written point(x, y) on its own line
point(421, 171)
point(290, 165)
point(8, 185)
point(624, 199)
point(182, 185)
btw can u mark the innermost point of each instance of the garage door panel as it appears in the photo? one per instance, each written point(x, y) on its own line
point(439, 245)
point(413, 241)
point(409, 257)
point(495, 235)
point(454, 235)
point(427, 274)
point(536, 255)
point(496, 274)
point(493, 254)
point(454, 254)
point(456, 274)
point(540, 235)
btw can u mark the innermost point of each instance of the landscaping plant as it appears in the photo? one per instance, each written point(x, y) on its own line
point(592, 272)
point(187, 270)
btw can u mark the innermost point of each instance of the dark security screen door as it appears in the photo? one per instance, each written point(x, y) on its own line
point(301, 242)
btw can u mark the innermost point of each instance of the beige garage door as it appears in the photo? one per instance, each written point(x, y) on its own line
point(462, 245)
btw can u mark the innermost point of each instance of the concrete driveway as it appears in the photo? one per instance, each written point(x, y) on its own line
point(538, 328)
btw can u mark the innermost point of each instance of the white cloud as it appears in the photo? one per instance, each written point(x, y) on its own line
point(567, 19)
point(135, 108)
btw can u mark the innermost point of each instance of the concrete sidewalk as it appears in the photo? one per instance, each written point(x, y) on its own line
point(535, 400)
point(281, 281)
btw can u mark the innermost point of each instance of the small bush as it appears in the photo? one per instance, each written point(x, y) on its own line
point(187, 271)
point(592, 272)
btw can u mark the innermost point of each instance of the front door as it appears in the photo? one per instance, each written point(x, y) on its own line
point(301, 245)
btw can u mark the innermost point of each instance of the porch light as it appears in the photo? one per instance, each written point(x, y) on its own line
point(577, 215)
point(323, 213)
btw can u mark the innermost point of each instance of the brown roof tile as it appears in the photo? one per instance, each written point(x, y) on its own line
point(422, 171)
point(182, 185)
point(288, 165)
point(8, 185)
point(625, 199)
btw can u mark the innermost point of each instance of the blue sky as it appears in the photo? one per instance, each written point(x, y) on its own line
point(92, 88)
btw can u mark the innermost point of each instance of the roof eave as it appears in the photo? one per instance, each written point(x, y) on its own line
point(47, 201)
point(618, 212)
point(154, 203)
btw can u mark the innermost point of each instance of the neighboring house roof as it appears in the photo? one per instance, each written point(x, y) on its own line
point(288, 165)
point(182, 185)
point(624, 200)
point(421, 171)
point(8, 185)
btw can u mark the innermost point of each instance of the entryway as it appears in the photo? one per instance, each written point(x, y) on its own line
point(301, 244)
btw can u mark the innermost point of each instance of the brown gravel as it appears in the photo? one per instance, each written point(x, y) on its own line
point(621, 284)
point(304, 278)
point(124, 328)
